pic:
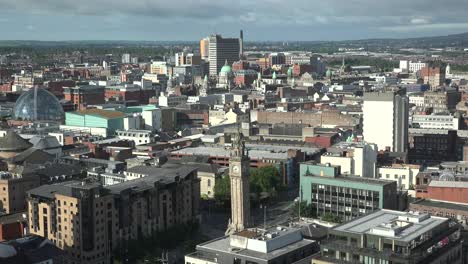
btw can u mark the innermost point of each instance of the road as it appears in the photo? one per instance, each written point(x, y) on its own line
point(214, 224)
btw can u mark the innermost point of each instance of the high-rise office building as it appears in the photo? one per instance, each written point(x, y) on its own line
point(126, 59)
point(205, 48)
point(241, 44)
point(222, 50)
point(386, 120)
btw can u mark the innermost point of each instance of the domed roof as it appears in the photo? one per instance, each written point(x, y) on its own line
point(38, 104)
point(329, 73)
point(226, 69)
point(290, 71)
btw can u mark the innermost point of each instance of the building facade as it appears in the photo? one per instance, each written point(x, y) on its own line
point(222, 50)
point(89, 221)
point(393, 237)
point(390, 111)
point(347, 197)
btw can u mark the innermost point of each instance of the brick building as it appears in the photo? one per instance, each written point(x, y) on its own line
point(82, 96)
point(89, 221)
point(433, 76)
point(12, 226)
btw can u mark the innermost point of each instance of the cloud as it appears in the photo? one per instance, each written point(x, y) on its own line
point(358, 18)
point(420, 20)
point(427, 27)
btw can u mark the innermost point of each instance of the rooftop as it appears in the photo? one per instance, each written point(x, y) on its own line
point(107, 114)
point(442, 204)
point(255, 151)
point(63, 188)
point(377, 223)
point(164, 175)
point(262, 244)
point(13, 142)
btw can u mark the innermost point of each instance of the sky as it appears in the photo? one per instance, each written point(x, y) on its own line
point(261, 20)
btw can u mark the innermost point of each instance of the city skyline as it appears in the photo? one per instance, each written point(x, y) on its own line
point(262, 20)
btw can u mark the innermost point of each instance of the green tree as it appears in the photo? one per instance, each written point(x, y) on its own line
point(329, 217)
point(222, 189)
point(307, 210)
point(265, 179)
point(261, 180)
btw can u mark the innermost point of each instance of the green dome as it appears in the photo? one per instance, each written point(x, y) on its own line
point(329, 73)
point(290, 71)
point(226, 69)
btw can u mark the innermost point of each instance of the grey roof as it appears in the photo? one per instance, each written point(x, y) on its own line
point(256, 151)
point(223, 245)
point(46, 142)
point(203, 167)
point(442, 204)
point(449, 184)
point(34, 249)
point(12, 218)
point(165, 175)
point(32, 155)
point(13, 142)
point(63, 188)
point(364, 224)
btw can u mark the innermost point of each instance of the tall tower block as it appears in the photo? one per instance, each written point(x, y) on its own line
point(241, 44)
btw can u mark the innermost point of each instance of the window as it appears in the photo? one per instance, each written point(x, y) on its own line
point(209, 182)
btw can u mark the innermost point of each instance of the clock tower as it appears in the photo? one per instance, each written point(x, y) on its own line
point(239, 165)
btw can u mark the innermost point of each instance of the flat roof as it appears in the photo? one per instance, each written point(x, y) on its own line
point(441, 204)
point(223, 245)
point(256, 151)
point(355, 179)
point(449, 184)
point(364, 224)
point(107, 114)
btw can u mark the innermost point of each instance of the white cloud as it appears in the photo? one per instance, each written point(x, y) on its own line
point(420, 20)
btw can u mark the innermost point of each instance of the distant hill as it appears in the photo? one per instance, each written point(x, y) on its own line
point(455, 40)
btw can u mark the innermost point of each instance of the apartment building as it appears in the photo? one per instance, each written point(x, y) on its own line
point(88, 220)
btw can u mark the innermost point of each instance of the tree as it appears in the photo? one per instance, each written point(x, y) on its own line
point(307, 210)
point(329, 217)
point(261, 180)
point(222, 189)
point(265, 179)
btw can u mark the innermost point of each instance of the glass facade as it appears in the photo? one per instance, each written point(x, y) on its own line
point(38, 104)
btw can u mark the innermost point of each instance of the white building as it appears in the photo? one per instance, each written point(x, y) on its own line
point(357, 159)
point(172, 100)
point(416, 99)
point(403, 174)
point(386, 120)
point(159, 67)
point(152, 119)
point(140, 137)
point(126, 59)
point(435, 122)
point(386, 79)
point(417, 66)
point(411, 67)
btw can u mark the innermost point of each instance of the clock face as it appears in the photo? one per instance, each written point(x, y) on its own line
point(235, 168)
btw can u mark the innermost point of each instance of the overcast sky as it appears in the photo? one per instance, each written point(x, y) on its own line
point(260, 19)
